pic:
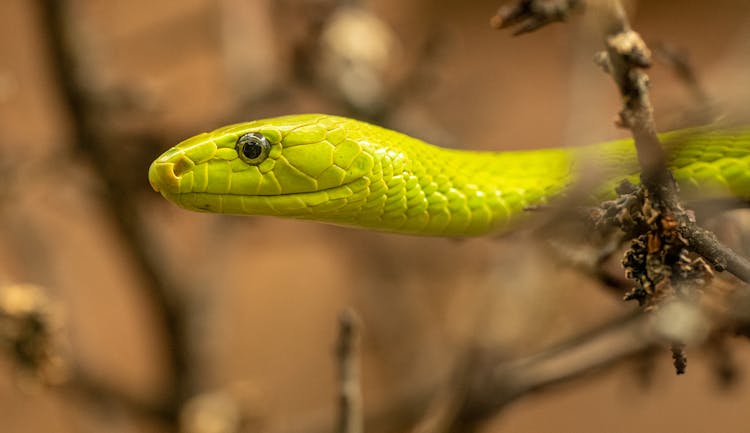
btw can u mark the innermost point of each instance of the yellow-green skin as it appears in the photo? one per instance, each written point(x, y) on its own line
point(344, 171)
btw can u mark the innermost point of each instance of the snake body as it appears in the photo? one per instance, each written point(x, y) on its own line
point(343, 171)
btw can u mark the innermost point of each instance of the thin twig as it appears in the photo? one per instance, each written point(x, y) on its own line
point(626, 57)
point(350, 417)
point(496, 384)
point(721, 257)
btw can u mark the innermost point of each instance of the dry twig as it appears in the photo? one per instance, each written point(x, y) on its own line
point(626, 56)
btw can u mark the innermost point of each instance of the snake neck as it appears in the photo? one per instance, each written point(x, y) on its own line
point(421, 189)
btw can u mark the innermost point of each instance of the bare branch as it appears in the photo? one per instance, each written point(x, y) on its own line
point(721, 257)
point(626, 56)
point(497, 383)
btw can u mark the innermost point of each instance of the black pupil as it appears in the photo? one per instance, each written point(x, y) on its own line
point(252, 150)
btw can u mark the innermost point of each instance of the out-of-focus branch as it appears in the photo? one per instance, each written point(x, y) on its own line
point(32, 329)
point(678, 60)
point(33, 334)
point(84, 387)
point(85, 104)
point(350, 418)
point(531, 15)
point(491, 383)
point(497, 383)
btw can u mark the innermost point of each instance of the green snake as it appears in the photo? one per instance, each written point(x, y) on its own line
point(347, 172)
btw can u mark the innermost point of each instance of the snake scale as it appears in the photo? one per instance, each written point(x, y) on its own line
point(344, 171)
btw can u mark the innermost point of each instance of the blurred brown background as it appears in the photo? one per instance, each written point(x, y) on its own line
point(259, 298)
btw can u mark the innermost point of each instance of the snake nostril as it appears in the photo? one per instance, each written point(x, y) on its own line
point(182, 165)
point(165, 174)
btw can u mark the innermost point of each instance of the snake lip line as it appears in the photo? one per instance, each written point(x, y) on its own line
point(266, 201)
point(268, 195)
point(161, 174)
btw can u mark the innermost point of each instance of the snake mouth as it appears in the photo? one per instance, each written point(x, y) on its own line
point(293, 204)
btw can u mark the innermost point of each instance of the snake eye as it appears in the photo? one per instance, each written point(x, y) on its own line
point(253, 148)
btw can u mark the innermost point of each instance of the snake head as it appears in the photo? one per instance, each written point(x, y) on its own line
point(295, 166)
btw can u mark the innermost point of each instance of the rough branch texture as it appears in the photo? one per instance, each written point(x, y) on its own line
point(626, 56)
